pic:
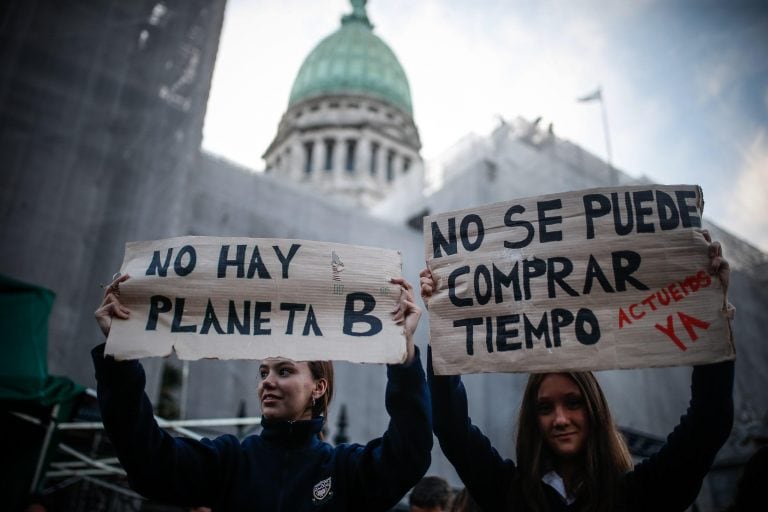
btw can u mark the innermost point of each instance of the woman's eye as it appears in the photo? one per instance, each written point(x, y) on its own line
point(544, 408)
point(263, 374)
point(284, 372)
point(573, 403)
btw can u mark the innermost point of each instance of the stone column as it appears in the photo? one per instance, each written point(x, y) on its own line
point(339, 155)
point(373, 177)
point(381, 165)
point(362, 157)
point(362, 177)
point(318, 159)
point(296, 165)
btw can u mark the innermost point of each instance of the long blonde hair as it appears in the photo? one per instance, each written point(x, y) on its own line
point(606, 456)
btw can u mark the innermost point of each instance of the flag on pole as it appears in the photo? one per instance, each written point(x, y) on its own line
point(596, 95)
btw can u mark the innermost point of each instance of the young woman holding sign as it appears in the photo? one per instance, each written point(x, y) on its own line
point(287, 466)
point(570, 455)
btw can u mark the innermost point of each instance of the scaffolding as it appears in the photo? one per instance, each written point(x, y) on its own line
point(76, 452)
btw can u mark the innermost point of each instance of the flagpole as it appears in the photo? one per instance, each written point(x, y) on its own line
point(606, 130)
point(598, 95)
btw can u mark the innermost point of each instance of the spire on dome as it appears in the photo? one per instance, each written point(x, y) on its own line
point(358, 14)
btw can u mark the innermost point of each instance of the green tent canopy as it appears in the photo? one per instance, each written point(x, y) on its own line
point(24, 310)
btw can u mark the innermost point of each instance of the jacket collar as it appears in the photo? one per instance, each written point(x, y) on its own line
point(292, 433)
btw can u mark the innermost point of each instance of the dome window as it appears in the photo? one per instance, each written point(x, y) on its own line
point(349, 164)
point(374, 157)
point(390, 166)
point(330, 144)
point(308, 147)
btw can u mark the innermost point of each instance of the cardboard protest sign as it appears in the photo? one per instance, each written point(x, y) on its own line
point(249, 298)
point(596, 279)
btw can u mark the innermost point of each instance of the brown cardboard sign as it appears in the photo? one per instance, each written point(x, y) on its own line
point(595, 279)
point(251, 298)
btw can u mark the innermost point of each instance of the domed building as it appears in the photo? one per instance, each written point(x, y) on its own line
point(348, 130)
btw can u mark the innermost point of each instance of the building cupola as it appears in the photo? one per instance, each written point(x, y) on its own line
point(349, 127)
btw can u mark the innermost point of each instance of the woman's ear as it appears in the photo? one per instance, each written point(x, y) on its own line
point(321, 386)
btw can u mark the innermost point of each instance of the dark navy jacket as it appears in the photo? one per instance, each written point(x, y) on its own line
point(667, 481)
point(285, 468)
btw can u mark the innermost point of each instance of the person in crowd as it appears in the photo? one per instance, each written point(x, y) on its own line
point(749, 490)
point(463, 502)
point(570, 455)
point(431, 494)
point(287, 466)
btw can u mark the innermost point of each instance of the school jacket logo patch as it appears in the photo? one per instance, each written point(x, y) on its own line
point(322, 491)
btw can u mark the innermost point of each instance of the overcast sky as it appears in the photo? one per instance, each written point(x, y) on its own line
point(685, 83)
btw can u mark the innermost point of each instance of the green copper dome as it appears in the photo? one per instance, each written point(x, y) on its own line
point(353, 60)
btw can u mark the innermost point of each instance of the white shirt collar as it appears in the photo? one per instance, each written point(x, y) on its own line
point(556, 482)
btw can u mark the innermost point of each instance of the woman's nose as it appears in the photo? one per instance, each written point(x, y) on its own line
point(268, 381)
point(561, 418)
